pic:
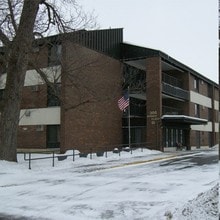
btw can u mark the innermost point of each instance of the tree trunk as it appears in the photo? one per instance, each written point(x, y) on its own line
point(16, 70)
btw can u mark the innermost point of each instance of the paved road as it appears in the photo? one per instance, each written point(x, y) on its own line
point(190, 159)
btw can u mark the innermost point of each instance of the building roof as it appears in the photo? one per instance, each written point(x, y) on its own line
point(137, 54)
point(105, 40)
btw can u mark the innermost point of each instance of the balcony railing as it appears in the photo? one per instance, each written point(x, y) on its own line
point(171, 80)
point(174, 87)
point(172, 111)
point(175, 91)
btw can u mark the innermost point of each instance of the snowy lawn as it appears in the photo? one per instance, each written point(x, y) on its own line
point(106, 188)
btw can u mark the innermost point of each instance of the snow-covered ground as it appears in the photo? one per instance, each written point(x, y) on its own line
point(137, 186)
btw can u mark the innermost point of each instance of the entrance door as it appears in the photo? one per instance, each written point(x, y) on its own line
point(172, 136)
point(53, 136)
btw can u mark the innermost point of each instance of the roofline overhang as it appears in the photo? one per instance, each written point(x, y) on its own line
point(166, 58)
point(184, 119)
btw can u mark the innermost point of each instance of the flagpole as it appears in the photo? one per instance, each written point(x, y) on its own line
point(129, 120)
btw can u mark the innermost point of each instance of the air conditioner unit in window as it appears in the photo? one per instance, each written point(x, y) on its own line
point(35, 88)
point(39, 127)
point(27, 113)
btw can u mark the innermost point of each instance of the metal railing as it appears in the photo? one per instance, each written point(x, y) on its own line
point(175, 91)
point(171, 80)
point(102, 151)
point(166, 110)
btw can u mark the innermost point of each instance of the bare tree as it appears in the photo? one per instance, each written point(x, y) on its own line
point(219, 74)
point(21, 22)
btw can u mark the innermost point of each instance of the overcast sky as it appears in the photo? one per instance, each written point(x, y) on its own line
point(187, 30)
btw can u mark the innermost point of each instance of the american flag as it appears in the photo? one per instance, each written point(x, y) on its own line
point(123, 102)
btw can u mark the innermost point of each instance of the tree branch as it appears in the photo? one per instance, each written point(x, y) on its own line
point(12, 16)
point(53, 18)
point(51, 85)
point(42, 74)
point(79, 104)
point(5, 40)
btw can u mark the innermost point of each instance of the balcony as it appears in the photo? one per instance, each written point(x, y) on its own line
point(174, 87)
point(175, 91)
point(137, 108)
point(166, 110)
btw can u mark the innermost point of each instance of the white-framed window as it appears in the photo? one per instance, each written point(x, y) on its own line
point(196, 84)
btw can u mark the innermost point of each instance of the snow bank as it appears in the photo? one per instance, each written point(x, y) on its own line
point(204, 207)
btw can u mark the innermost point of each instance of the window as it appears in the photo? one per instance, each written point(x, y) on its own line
point(196, 84)
point(3, 68)
point(54, 54)
point(53, 95)
point(210, 113)
point(217, 116)
point(35, 88)
point(1, 94)
point(197, 140)
point(210, 90)
point(197, 112)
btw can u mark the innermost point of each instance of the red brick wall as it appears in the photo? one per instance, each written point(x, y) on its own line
point(204, 138)
point(216, 94)
point(91, 88)
point(203, 86)
point(204, 111)
point(31, 137)
point(34, 99)
point(154, 101)
point(40, 57)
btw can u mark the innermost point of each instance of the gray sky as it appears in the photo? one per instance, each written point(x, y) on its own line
point(187, 30)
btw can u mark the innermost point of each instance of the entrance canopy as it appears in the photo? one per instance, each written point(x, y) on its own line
point(184, 119)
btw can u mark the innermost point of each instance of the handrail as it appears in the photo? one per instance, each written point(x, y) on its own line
point(29, 159)
point(122, 147)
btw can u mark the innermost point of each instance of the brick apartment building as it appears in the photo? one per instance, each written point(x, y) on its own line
point(87, 72)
